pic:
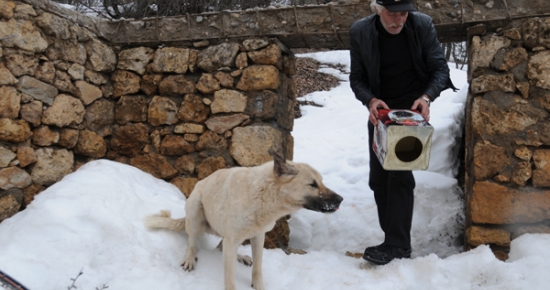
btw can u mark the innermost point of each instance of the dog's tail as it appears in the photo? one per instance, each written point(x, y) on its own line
point(164, 221)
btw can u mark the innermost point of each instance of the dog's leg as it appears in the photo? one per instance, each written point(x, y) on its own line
point(257, 244)
point(243, 259)
point(194, 226)
point(229, 257)
point(191, 254)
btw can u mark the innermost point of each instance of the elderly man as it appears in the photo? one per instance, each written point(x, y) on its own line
point(396, 63)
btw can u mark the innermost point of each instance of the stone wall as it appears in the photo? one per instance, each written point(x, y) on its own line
point(508, 135)
point(68, 97)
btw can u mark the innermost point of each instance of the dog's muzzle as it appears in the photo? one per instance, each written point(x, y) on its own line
point(325, 203)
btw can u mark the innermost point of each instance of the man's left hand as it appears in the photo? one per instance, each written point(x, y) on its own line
point(424, 107)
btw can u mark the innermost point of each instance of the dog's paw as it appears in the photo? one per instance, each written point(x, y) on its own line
point(259, 286)
point(246, 260)
point(189, 264)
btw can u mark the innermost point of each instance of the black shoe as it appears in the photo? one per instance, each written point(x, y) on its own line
point(384, 254)
point(371, 250)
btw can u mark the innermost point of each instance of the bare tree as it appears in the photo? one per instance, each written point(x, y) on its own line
point(147, 8)
point(305, 2)
point(456, 52)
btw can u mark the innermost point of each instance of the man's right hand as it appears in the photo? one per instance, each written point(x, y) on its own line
point(374, 105)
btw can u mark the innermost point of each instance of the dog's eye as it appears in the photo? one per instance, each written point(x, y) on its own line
point(314, 184)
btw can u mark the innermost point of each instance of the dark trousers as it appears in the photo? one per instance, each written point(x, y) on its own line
point(394, 196)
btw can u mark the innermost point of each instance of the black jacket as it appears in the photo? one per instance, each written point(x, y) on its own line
point(428, 58)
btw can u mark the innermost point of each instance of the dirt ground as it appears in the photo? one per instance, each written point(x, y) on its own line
point(308, 79)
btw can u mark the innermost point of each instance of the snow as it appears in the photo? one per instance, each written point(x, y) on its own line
point(91, 222)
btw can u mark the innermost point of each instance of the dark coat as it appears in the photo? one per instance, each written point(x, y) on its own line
point(428, 58)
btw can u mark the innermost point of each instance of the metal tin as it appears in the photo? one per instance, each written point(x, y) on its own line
point(402, 140)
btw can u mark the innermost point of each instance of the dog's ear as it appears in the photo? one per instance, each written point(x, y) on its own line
point(280, 167)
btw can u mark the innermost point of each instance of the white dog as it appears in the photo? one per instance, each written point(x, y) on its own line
point(242, 203)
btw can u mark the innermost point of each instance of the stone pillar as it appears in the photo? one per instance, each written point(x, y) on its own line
point(507, 135)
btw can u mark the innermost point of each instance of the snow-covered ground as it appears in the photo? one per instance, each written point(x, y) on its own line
point(92, 220)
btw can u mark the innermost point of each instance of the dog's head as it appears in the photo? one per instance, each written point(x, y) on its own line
point(325, 200)
point(303, 186)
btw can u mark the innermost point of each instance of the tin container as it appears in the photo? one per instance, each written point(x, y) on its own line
point(402, 140)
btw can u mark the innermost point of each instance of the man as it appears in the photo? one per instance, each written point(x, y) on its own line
point(396, 63)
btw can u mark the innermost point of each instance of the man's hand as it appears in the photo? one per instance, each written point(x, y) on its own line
point(421, 105)
point(374, 105)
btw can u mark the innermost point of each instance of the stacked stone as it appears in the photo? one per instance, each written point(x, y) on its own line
point(179, 113)
point(508, 135)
